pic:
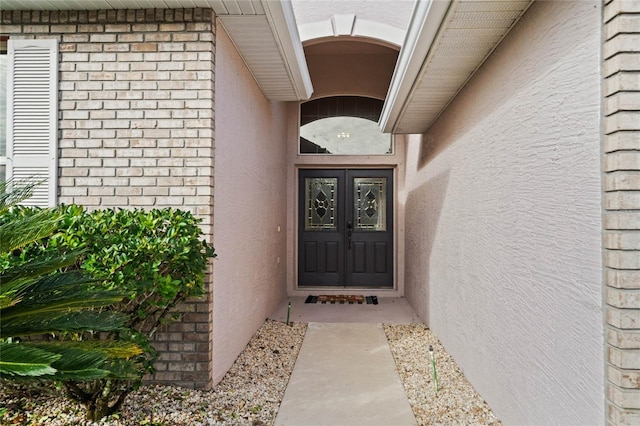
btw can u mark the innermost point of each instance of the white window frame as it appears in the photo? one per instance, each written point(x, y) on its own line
point(3, 157)
point(32, 116)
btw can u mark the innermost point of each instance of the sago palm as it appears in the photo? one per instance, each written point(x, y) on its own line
point(37, 300)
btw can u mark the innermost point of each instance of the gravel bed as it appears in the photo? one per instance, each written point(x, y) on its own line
point(455, 402)
point(251, 392)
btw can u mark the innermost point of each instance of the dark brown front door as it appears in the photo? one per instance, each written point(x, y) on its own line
point(345, 234)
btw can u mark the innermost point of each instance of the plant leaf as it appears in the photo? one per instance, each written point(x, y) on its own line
point(78, 363)
point(48, 322)
point(17, 234)
point(12, 192)
point(17, 359)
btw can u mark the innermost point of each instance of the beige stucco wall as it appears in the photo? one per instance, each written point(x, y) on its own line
point(250, 200)
point(503, 219)
point(350, 66)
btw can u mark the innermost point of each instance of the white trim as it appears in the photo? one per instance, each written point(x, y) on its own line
point(350, 25)
point(314, 30)
point(32, 116)
point(426, 21)
point(343, 24)
point(376, 30)
point(285, 31)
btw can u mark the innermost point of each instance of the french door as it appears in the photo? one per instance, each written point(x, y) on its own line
point(345, 231)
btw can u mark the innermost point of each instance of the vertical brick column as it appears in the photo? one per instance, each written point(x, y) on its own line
point(136, 131)
point(621, 91)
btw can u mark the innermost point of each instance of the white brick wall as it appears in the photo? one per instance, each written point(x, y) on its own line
point(129, 93)
point(136, 130)
point(621, 173)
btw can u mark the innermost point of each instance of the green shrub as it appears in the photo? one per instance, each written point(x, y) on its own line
point(157, 258)
point(37, 300)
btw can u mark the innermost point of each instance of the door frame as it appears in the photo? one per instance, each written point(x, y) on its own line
point(397, 161)
point(296, 289)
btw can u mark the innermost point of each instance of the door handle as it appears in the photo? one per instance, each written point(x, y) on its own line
point(349, 232)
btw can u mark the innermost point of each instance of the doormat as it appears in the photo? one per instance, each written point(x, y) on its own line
point(343, 299)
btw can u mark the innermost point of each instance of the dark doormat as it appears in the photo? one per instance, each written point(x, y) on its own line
point(343, 299)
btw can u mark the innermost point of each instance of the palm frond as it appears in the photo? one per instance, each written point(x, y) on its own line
point(109, 348)
point(78, 363)
point(18, 233)
point(49, 322)
point(57, 305)
point(17, 359)
point(12, 192)
point(15, 281)
point(39, 266)
point(59, 302)
point(81, 360)
point(72, 282)
point(34, 299)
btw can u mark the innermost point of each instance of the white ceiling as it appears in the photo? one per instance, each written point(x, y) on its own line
point(447, 41)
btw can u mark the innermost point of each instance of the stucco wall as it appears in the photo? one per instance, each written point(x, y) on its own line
point(503, 213)
point(350, 66)
point(250, 201)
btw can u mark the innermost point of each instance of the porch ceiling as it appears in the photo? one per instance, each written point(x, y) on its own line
point(447, 41)
point(264, 31)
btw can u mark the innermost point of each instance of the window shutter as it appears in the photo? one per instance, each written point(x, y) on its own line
point(32, 116)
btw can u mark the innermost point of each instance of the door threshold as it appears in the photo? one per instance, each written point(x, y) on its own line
point(345, 291)
point(343, 288)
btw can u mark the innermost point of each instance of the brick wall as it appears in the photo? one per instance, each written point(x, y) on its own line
point(621, 91)
point(136, 130)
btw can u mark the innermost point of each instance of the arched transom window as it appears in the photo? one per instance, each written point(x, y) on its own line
point(343, 125)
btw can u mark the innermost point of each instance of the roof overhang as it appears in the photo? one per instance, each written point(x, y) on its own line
point(446, 42)
point(264, 31)
point(270, 45)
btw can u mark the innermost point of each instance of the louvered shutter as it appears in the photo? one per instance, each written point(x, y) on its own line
point(32, 116)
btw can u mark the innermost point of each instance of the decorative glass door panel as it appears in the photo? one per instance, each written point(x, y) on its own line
point(369, 203)
point(345, 235)
point(320, 201)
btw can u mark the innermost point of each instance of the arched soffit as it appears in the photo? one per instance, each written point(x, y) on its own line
point(350, 66)
point(349, 24)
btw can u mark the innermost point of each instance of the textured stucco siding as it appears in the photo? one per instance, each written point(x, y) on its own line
point(250, 206)
point(503, 218)
point(621, 148)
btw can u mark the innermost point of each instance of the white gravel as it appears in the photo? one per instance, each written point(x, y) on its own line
point(455, 402)
point(251, 392)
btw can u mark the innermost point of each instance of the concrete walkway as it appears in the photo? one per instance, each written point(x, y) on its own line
point(389, 310)
point(345, 375)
